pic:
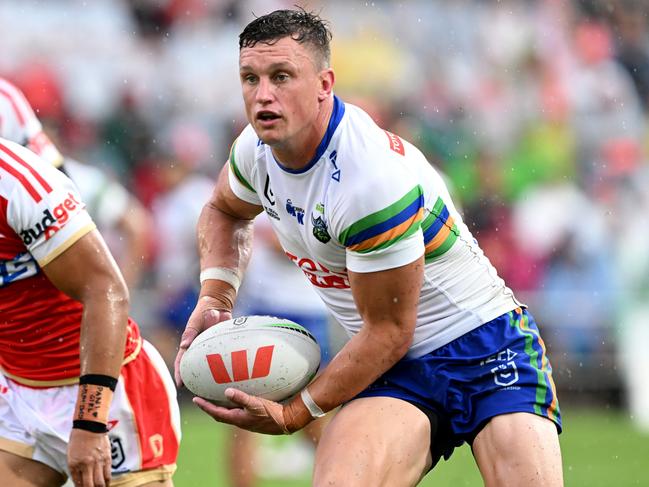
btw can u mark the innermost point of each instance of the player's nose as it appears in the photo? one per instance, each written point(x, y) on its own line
point(264, 93)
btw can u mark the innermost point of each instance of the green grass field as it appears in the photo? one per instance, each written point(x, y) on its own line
point(600, 448)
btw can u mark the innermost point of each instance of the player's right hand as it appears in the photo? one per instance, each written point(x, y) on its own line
point(89, 458)
point(207, 313)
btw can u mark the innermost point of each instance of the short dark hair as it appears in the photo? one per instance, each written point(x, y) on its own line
point(302, 26)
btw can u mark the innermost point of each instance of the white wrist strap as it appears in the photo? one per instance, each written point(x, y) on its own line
point(310, 404)
point(223, 274)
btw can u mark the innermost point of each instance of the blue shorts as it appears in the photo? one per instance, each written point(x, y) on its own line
point(500, 367)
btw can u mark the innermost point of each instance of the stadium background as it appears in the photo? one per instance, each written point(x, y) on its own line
point(536, 112)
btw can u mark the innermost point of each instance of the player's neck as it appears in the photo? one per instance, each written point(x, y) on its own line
point(297, 153)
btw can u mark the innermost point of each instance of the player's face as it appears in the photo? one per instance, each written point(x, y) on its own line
point(281, 89)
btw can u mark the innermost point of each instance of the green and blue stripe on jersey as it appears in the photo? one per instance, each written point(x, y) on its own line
point(399, 220)
point(387, 226)
point(440, 231)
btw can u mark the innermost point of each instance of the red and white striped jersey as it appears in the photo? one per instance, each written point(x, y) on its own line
point(41, 215)
point(19, 123)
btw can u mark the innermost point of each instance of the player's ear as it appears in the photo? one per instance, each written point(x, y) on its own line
point(326, 78)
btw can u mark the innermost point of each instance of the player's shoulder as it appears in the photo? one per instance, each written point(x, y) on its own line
point(22, 171)
point(363, 139)
point(375, 171)
point(9, 91)
point(245, 146)
point(366, 152)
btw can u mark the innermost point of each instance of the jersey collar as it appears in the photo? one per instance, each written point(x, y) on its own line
point(336, 116)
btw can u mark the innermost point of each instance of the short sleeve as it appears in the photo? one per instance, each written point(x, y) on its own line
point(379, 223)
point(241, 166)
point(45, 209)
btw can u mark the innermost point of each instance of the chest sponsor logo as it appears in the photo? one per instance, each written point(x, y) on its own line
point(318, 274)
point(295, 211)
point(320, 230)
point(21, 266)
point(52, 220)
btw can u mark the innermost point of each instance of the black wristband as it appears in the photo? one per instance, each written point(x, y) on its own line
point(99, 380)
point(92, 426)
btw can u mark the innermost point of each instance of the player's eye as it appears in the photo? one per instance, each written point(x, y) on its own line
point(250, 78)
point(281, 77)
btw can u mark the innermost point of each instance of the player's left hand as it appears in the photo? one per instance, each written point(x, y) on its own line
point(207, 313)
point(89, 458)
point(254, 414)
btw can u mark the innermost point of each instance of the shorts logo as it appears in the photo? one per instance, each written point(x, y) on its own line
point(157, 445)
point(116, 452)
point(505, 372)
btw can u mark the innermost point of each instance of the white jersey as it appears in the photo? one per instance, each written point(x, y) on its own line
point(369, 201)
point(19, 123)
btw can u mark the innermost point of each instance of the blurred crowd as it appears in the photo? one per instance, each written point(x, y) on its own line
point(534, 110)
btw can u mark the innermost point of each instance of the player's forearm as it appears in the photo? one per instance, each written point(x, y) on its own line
point(224, 243)
point(223, 240)
point(102, 341)
point(103, 329)
point(387, 302)
point(363, 359)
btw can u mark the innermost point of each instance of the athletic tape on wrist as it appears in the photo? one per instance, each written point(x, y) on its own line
point(99, 380)
point(310, 404)
point(92, 426)
point(93, 402)
point(222, 273)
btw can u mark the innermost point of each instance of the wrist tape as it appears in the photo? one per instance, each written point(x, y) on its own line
point(314, 409)
point(93, 402)
point(223, 274)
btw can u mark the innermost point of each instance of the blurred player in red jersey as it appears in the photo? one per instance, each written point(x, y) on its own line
point(19, 123)
point(122, 219)
point(64, 321)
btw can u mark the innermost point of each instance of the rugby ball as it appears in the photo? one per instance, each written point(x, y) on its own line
point(264, 356)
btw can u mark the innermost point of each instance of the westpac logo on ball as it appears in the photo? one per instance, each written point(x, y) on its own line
point(265, 356)
point(239, 365)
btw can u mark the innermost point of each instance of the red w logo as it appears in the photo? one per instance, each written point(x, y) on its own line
point(260, 368)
